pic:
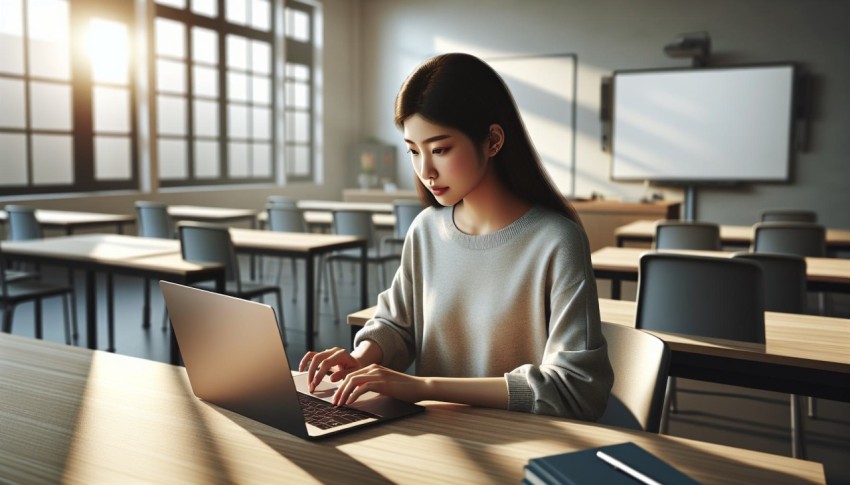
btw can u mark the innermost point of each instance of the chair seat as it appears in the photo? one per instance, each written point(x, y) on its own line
point(12, 275)
point(249, 289)
point(31, 289)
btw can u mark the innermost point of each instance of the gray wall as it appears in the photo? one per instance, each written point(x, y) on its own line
point(608, 35)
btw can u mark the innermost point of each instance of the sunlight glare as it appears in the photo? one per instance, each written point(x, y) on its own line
point(108, 47)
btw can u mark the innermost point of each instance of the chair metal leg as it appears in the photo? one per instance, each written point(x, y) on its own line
point(73, 302)
point(8, 313)
point(798, 449)
point(39, 329)
point(332, 285)
point(665, 410)
point(812, 407)
point(146, 310)
point(280, 315)
point(671, 390)
point(65, 305)
point(294, 279)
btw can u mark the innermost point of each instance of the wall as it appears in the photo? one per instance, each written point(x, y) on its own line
point(608, 35)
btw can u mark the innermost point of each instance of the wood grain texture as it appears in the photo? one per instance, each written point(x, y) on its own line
point(73, 415)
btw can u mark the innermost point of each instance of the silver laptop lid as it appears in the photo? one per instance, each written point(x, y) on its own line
point(233, 352)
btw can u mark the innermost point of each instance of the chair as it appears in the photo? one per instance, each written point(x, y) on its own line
point(210, 243)
point(788, 215)
point(13, 293)
point(356, 223)
point(287, 218)
point(784, 291)
point(799, 238)
point(687, 235)
point(281, 201)
point(152, 220)
point(641, 364)
point(706, 296)
point(405, 211)
point(24, 226)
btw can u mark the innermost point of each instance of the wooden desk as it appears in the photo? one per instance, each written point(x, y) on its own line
point(324, 219)
point(332, 205)
point(129, 255)
point(807, 355)
point(377, 195)
point(602, 217)
point(644, 232)
point(305, 246)
point(68, 221)
point(212, 214)
point(621, 264)
point(73, 415)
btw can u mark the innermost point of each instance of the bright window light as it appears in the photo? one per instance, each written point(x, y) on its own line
point(108, 47)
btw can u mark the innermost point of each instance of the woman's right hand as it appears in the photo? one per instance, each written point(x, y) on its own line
point(338, 361)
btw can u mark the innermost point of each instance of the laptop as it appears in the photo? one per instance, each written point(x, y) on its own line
point(235, 358)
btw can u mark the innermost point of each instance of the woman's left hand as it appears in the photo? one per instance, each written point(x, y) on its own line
point(379, 379)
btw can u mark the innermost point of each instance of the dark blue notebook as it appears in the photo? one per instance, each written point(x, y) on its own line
point(584, 467)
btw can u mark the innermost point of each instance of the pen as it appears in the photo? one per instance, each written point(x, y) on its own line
point(619, 465)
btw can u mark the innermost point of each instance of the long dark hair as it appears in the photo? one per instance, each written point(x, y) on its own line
point(462, 92)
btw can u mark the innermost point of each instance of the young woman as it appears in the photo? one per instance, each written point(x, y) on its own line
point(495, 299)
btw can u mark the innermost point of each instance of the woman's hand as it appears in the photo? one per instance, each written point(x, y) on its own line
point(379, 379)
point(336, 360)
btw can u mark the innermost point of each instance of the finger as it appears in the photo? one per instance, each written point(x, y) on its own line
point(305, 361)
point(329, 359)
point(318, 358)
point(359, 391)
point(351, 382)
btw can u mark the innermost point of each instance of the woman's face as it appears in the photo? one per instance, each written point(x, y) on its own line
point(446, 161)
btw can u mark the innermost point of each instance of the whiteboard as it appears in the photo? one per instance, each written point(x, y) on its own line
point(703, 125)
point(544, 89)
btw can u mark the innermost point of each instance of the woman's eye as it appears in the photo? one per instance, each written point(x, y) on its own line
point(439, 151)
point(412, 151)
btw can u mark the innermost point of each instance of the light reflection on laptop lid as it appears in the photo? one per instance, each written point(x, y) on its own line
point(235, 358)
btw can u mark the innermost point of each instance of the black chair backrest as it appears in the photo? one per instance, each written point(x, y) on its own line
point(788, 215)
point(705, 296)
point(22, 224)
point(641, 364)
point(687, 235)
point(784, 278)
point(153, 220)
point(209, 243)
point(798, 238)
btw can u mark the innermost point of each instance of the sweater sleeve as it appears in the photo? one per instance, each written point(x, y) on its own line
point(574, 377)
point(392, 327)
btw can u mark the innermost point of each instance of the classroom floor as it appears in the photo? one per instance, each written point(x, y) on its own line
point(745, 418)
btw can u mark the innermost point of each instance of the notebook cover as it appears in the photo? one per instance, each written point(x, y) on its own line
point(584, 467)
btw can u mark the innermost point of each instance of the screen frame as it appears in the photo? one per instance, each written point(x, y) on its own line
point(731, 178)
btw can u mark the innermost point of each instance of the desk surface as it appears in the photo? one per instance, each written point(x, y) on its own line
point(69, 414)
point(332, 205)
point(194, 212)
point(290, 242)
point(56, 218)
point(645, 231)
point(627, 261)
point(813, 348)
point(325, 218)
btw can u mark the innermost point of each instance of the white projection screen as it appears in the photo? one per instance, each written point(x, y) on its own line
point(703, 125)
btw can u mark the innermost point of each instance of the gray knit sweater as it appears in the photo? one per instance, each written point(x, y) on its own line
point(520, 302)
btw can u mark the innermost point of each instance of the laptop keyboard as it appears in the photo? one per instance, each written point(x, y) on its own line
point(325, 415)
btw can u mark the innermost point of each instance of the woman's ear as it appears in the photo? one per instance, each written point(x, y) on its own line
point(496, 140)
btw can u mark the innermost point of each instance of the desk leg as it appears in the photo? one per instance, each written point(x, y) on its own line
point(364, 277)
point(110, 312)
point(91, 309)
point(616, 286)
point(309, 300)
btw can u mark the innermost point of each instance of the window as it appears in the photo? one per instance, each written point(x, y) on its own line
point(66, 115)
point(299, 82)
point(214, 96)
